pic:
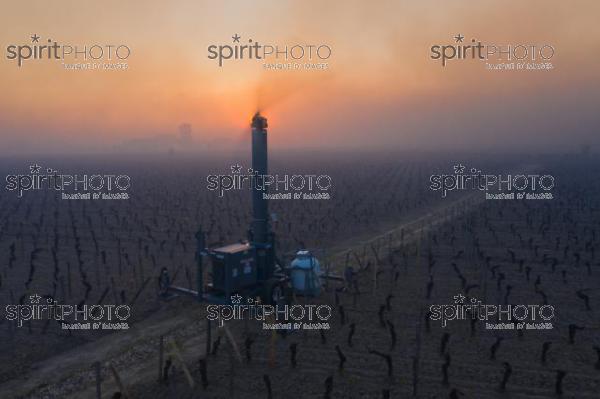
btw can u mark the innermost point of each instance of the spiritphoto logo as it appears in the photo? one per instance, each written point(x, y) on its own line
point(78, 186)
point(283, 186)
point(274, 317)
point(504, 317)
point(507, 56)
point(295, 56)
point(508, 186)
point(90, 56)
point(71, 317)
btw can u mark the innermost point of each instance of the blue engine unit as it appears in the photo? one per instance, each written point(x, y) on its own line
point(233, 267)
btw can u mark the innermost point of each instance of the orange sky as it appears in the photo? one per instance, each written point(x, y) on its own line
point(380, 78)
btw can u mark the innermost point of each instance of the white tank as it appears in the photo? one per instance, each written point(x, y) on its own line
point(305, 271)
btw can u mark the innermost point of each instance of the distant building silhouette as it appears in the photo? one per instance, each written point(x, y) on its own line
point(185, 134)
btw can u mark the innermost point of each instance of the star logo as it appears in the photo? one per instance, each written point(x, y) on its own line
point(35, 298)
point(460, 168)
point(236, 169)
point(235, 299)
point(460, 298)
point(35, 169)
point(459, 38)
point(236, 38)
point(35, 38)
